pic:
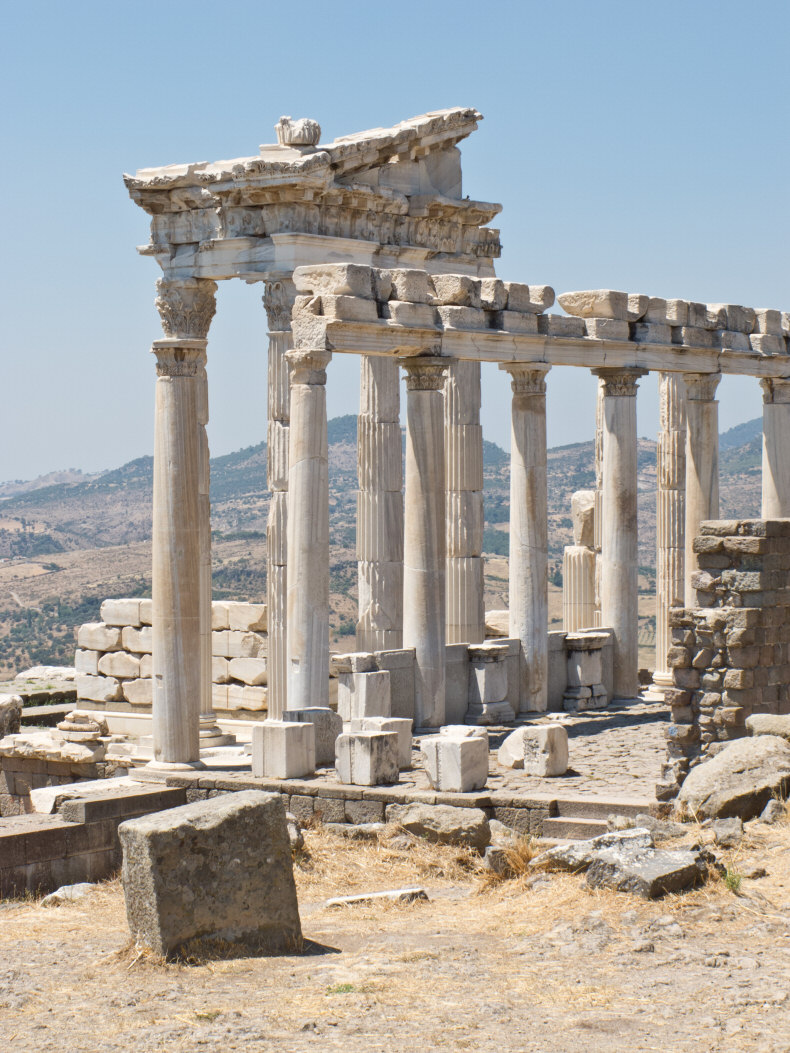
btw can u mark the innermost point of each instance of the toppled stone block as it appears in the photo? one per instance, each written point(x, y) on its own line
point(401, 726)
point(648, 872)
point(443, 823)
point(739, 780)
point(283, 749)
point(327, 724)
point(540, 750)
point(455, 764)
point(202, 876)
point(367, 758)
point(579, 854)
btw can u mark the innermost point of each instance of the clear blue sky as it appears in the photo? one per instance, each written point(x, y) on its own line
point(640, 146)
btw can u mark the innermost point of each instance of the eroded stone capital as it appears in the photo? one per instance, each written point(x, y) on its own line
point(776, 391)
point(619, 383)
point(179, 360)
point(308, 366)
point(278, 299)
point(526, 378)
point(425, 372)
point(701, 387)
point(186, 306)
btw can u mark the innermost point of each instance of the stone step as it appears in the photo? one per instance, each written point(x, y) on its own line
point(573, 829)
point(601, 808)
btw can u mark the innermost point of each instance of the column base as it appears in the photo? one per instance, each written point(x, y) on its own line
point(488, 713)
point(158, 771)
point(210, 735)
point(655, 691)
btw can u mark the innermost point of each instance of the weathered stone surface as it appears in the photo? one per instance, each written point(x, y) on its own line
point(738, 781)
point(247, 617)
point(51, 745)
point(727, 832)
point(443, 823)
point(283, 749)
point(10, 714)
point(120, 612)
point(497, 623)
point(396, 895)
point(769, 724)
point(402, 727)
point(595, 303)
point(367, 758)
point(773, 811)
point(205, 875)
point(96, 636)
point(648, 872)
point(251, 671)
point(67, 894)
point(540, 750)
point(455, 763)
point(328, 725)
point(579, 854)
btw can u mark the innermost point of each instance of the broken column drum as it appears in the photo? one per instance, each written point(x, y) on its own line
point(702, 463)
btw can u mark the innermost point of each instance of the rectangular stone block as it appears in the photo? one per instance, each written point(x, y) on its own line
point(96, 636)
point(246, 644)
point(98, 688)
point(212, 873)
point(413, 315)
point(120, 612)
point(454, 764)
point(119, 664)
point(606, 329)
point(462, 318)
point(400, 665)
point(146, 665)
point(651, 333)
point(402, 728)
point(327, 724)
point(146, 612)
point(528, 299)
point(86, 662)
point(335, 279)
point(219, 670)
point(560, 325)
point(457, 290)
point(138, 641)
point(540, 750)
point(410, 285)
point(219, 696)
point(768, 344)
point(514, 322)
point(244, 697)
point(247, 617)
point(138, 692)
point(220, 618)
point(367, 758)
point(693, 336)
point(248, 670)
point(283, 749)
point(364, 695)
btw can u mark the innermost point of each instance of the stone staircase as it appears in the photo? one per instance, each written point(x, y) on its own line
point(577, 818)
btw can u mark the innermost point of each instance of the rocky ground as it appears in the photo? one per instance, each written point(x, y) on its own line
point(537, 963)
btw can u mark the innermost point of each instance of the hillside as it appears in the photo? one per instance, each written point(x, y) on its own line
point(68, 540)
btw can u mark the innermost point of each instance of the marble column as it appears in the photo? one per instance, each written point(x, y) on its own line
point(619, 563)
point(463, 451)
point(278, 300)
point(670, 514)
point(308, 532)
point(598, 513)
point(181, 533)
point(424, 536)
point(776, 449)
point(702, 463)
point(528, 588)
point(379, 506)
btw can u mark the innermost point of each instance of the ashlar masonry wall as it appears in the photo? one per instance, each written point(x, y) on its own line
point(730, 655)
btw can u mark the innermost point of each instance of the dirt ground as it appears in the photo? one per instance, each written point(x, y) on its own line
point(532, 964)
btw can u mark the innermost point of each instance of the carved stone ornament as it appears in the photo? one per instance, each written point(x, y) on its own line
point(179, 361)
point(186, 306)
point(701, 387)
point(775, 391)
point(308, 366)
point(303, 132)
point(527, 379)
point(425, 373)
point(620, 383)
point(278, 299)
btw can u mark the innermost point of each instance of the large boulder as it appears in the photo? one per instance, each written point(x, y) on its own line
point(738, 781)
point(769, 724)
point(214, 877)
point(443, 823)
point(10, 714)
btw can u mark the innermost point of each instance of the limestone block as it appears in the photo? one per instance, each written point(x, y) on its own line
point(282, 749)
point(367, 758)
point(410, 285)
point(734, 341)
point(349, 309)
point(693, 336)
point(707, 315)
point(464, 731)
point(595, 303)
point(584, 667)
point(768, 322)
point(119, 664)
point(138, 641)
point(493, 294)
point(515, 322)
point(637, 306)
point(219, 696)
point(244, 697)
point(120, 612)
point(364, 695)
point(666, 312)
point(457, 290)
point(454, 764)
point(560, 325)
point(213, 873)
point(139, 692)
point(400, 665)
point(497, 623)
point(220, 616)
point(96, 636)
point(607, 329)
point(220, 673)
point(335, 279)
point(767, 344)
point(462, 318)
point(245, 644)
point(786, 323)
point(651, 333)
point(414, 315)
point(528, 299)
point(487, 673)
point(146, 665)
point(583, 515)
point(400, 726)
point(540, 749)
point(739, 319)
point(248, 670)
point(86, 662)
point(327, 726)
point(146, 612)
point(98, 688)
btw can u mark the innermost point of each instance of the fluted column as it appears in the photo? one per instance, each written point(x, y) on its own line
point(670, 514)
point(463, 450)
point(424, 536)
point(277, 299)
point(598, 513)
point(776, 449)
point(528, 589)
point(308, 532)
point(619, 565)
point(702, 463)
point(379, 506)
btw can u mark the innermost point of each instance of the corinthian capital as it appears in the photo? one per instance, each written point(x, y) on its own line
point(701, 387)
point(620, 383)
point(775, 390)
point(425, 373)
point(308, 366)
point(186, 306)
point(278, 299)
point(526, 378)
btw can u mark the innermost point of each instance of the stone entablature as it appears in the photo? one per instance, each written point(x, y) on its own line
point(730, 654)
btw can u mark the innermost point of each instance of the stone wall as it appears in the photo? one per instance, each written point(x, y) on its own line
point(730, 655)
point(113, 659)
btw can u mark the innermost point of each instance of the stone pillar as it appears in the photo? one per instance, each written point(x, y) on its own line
point(578, 565)
point(670, 514)
point(463, 451)
point(776, 449)
point(702, 463)
point(181, 533)
point(619, 565)
point(277, 299)
point(424, 536)
point(379, 506)
point(528, 590)
point(308, 533)
point(598, 516)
